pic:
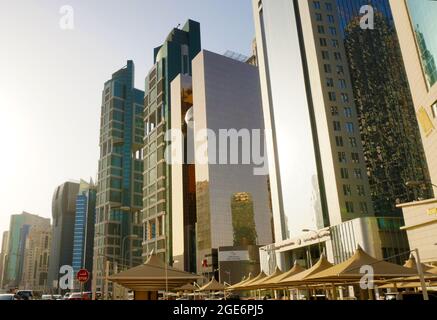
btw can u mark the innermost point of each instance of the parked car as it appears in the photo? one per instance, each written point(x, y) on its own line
point(79, 296)
point(47, 297)
point(24, 294)
point(57, 297)
point(8, 297)
point(67, 295)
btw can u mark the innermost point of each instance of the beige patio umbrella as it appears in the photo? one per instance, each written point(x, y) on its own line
point(213, 285)
point(301, 278)
point(350, 270)
point(187, 287)
point(152, 276)
point(412, 264)
point(406, 285)
point(247, 284)
point(258, 284)
point(233, 287)
point(277, 280)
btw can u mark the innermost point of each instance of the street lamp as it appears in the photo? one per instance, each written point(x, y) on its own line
point(131, 237)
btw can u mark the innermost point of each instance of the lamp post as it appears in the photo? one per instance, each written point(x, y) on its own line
point(131, 237)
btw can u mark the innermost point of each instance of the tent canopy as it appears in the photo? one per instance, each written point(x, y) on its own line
point(302, 277)
point(153, 275)
point(233, 287)
point(187, 287)
point(261, 281)
point(350, 270)
point(412, 264)
point(213, 285)
point(247, 284)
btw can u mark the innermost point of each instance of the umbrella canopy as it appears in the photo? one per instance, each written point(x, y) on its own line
point(187, 287)
point(302, 277)
point(406, 285)
point(433, 270)
point(247, 284)
point(259, 282)
point(349, 270)
point(274, 281)
point(412, 264)
point(233, 287)
point(213, 285)
point(153, 275)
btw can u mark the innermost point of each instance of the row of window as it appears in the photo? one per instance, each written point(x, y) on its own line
point(362, 207)
point(317, 5)
point(355, 157)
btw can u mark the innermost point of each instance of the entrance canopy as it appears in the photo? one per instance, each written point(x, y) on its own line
point(153, 275)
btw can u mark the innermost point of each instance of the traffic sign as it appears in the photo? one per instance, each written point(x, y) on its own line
point(83, 275)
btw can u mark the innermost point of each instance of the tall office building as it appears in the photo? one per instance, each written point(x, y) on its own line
point(393, 149)
point(318, 171)
point(231, 209)
point(3, 255)
point(36, 258)
point(120, 179)
point(83, 241)
point(416, 24)
point(63, 214)
point(173, 57)
point(19, 229)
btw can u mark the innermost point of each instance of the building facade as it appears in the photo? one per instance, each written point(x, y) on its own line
point(231, 206)
point(120, 181)
point(393, 149)
point(317, 167)
point(173, 57)
point(36, 258)
point(19, 229)
point(3, 255)
point(83, 241)
point(416, 25)
point(63, 214)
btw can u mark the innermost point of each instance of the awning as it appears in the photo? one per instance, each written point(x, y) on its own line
point(261, 281)
point(213, 285)
point(350, 270)
point(247, 284)
point(235, 286)
point(275, 281)
point(187, 287)
point(153, 275)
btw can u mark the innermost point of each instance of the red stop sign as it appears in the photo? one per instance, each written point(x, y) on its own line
point(83, 275)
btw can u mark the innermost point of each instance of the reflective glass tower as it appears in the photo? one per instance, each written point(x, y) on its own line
point(120, 179)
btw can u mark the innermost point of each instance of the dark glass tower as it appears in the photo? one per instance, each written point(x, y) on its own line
point(391, 139)
point(172, 58)
point(120, 179)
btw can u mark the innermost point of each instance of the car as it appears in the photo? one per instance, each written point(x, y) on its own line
point(24, 294)
point(67, 295)
point(8, 297)
point(47, 297)
point(57, 297)
point(79, 296)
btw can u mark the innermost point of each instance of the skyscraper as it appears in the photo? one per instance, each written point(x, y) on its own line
point(63, 213)
point(416, 24)
point(393, 150)
point(36, 258)
point(19, 229)
point(83, 242)
point(120, 179)
point(318, 171)
point(173, 57)
point(3, 255)
point(231, 206)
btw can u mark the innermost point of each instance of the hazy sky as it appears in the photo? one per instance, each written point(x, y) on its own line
point(51, 80)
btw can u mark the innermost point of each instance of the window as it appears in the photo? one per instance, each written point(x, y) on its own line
point(325, 55)
point(333, 31)
point(334, 111)
point(327, 68)
point(344, 173)
point(332, 96)
point(358, 174)
point(328, 6)
point(323, 42)
point(342, 83)
point(331, 18)
point(345, 97)
point(339, 141)
point(353, 142)
point(335, 43)
point(321, 29)
point(330, 82)
point(342, 157)
point(340, 70)
point(350, 127)
point(360, 190)
point(337, 126)
point(355, 157)
point(337, 56)
point(347, 190)
point(348, 112)
point(349, 207)
point(319, 17)
point(316, 4)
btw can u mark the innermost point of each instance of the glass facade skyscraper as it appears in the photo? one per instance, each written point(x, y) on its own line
point(393, 149)
point(83, 242)
point(120, 179)
point(173, 57)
